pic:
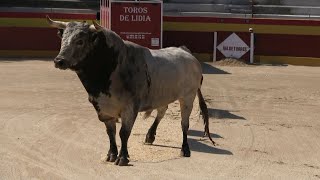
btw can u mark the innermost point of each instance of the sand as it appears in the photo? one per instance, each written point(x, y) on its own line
point(265, 120)
point(230, 62)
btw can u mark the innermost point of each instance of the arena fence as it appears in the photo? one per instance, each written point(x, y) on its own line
point(24, 32)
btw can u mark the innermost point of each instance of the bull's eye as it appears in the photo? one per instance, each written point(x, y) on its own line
point(60, 33)
point(79, 42)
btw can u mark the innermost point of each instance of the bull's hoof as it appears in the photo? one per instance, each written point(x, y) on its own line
point(111, 158)
point(122, 161)
point(149, 139)
point(185, 154)
point(185, 151)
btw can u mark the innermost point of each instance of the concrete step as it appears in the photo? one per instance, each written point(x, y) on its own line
point(282, 16)
point(76, 4)
point(306, 11)
point(238, 2)
point(235, 15)
point(208, 14)
point(286, 10)
point(241, 11)
point(288, 2)
point(174, 7)
point(47, 10)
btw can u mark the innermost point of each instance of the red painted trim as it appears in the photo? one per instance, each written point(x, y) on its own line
point(43, 15)
point(28, 38)
point(242, 21)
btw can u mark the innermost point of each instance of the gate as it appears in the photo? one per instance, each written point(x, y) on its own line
point(136, 21)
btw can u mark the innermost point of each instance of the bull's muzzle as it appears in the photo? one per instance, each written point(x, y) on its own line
point(60, 63)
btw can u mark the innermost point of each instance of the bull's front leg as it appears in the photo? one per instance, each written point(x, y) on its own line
point(111, 131)
point(128, 117)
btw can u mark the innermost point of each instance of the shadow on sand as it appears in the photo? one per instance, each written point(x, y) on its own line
point(192, 132)
point(209, 69)
point(199, 144)
point(223, 114)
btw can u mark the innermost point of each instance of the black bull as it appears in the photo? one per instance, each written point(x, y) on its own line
point(123, 78)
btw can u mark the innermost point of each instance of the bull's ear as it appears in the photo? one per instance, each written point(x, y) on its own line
point(94, 38)
point(60, 33)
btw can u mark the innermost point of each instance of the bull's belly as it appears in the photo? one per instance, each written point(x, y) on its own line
point(161, 97)
point(155, 104)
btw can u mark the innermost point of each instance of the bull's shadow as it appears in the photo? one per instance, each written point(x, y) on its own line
point(223, 114)
point(209, 69)
point(197, 143)
point(200, 144)
point(192, 132)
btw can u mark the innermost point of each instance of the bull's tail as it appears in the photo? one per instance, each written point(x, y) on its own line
point(205, 115)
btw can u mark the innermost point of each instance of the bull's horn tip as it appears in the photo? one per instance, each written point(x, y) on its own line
point(94, 22)
point(48, 19)
point(97, 26)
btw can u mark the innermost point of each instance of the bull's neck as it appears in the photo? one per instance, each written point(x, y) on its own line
point(96, 79)
point(97, 69)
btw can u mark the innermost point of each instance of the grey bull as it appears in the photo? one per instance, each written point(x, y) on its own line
point(123, 78)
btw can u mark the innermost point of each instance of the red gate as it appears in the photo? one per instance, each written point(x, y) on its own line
point(136, 21)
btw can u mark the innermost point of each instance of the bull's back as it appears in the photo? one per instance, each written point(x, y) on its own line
point(174, 73)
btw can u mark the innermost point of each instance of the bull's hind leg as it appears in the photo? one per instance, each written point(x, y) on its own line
point(111, 131)
point(150, 137)
point(186, 105)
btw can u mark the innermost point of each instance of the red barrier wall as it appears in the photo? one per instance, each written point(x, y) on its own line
point(276, 41)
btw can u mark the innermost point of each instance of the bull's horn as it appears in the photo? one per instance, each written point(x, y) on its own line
point(96, 26)
point(56, 24)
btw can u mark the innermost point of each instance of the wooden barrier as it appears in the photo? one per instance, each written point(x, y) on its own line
point(27, 34)
point(276, 41)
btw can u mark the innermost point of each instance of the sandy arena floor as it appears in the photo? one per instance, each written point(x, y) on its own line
point(265, 119)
